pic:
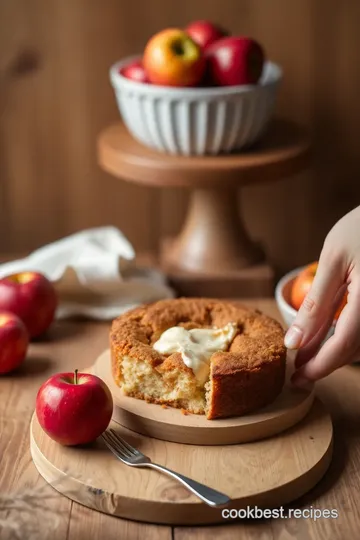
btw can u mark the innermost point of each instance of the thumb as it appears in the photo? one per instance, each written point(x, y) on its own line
point(318, 305)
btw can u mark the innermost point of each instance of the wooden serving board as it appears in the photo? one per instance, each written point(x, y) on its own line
point(171, 425)
point(266, 473)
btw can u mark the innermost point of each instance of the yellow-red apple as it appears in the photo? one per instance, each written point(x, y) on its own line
point(32, 297)
point(172, 58)
point(74, 408)
point(14, 340)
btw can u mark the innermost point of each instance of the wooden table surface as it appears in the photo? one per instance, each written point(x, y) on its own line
point(77, 344)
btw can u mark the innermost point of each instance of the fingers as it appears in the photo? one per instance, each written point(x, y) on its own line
point(308, 351)
point(338, 350)
point(318, 304)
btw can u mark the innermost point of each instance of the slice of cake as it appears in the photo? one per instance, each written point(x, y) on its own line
point(206, 356)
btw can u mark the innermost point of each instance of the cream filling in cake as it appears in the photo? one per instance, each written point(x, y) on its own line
point(196, 346)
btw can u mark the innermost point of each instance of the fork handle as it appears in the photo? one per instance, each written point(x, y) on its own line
point(208, 495)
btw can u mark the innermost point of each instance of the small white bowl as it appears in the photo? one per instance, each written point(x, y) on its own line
point(283, 295)
point(196, 121)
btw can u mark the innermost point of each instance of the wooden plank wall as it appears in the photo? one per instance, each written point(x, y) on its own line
point(55, 97)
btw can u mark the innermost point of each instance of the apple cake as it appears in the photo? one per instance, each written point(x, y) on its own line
point(205, 356)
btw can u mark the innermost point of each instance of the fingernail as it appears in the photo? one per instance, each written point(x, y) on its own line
point(293, 337)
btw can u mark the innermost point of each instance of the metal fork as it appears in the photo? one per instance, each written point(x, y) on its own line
point(133, 457)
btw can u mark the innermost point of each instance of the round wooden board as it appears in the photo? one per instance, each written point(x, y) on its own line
point(283, 151)
point(171, 425)
point(267, 473)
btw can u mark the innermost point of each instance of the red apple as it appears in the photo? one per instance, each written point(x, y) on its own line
point(234, 61)
point(32, 297)
point(74, 408)
point(204, 33)
point(135, 71)
point(172, 58)
point(14, 340)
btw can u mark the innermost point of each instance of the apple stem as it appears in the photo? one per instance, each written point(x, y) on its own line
point(76, 376)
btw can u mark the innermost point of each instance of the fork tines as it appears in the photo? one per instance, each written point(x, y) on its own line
point(120, 445)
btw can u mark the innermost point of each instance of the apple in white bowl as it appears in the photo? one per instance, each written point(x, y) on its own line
point(235, 61)
point(204, 33)
point(135, 71)
point(172, 58)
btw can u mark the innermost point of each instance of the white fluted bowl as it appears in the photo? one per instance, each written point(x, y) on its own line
point(196, 121)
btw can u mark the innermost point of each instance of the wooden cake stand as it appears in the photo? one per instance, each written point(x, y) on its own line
point(213, 254)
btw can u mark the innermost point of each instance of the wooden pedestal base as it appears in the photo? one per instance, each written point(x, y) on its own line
point(213, 255)
point(254, 281)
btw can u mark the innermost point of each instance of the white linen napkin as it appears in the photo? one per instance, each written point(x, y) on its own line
point(94, 274)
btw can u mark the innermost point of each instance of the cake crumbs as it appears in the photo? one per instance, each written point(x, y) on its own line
point(164, 406)
point(184, 412)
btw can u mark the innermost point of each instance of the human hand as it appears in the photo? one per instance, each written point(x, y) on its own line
point(338, 270)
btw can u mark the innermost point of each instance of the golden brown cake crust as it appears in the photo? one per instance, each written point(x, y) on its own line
point(254, 365)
